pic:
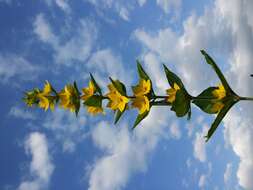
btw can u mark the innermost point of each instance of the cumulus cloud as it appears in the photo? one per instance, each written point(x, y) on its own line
point(168, 5)
point(122, 8)
point(239, 134)
point(199, 145)
point(106, 63)
point(125, 153)
point(15, 68)
point(68, 130)
point(77, 47)
point(228, 173)
point(41, 166)
point(21, 113)
point(181, 52)
point(62, 4)
point(203, 179)
point(142, 2)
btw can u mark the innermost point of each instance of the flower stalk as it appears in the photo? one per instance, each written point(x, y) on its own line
point(213, 100)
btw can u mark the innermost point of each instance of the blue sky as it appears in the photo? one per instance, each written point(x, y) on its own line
point(62, 41)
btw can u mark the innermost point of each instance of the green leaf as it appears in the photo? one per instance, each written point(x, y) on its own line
point(119, 86)
point(77, 107)
point(98, 89)
point(118, 115)
point(219, 118)
point(173, 78)
point(205, 102)
point(211, 62)
point(181, 105)
point(76, 88)
point(139, 118)
point(142, 73)
point(94, 100)
point(189, 114)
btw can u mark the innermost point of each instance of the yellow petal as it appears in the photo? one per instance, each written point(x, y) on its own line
point(141, 103)
point(142, 88)
point(217, 106)
point(219, 93)
point(94, 110)
point(47, 88)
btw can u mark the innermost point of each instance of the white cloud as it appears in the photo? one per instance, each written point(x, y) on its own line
point(228, 173)
point(202, 181)
point(121, 7)
point(68, 129)
point(204, 178)
point(169, 5)
point(78, 47)
point(21, 113)
point(175, 131)
point(41, 167)
point(44, 31)
point(239, 134)
point(125, 153)
point(62, 4)
point(105, 63)
point(16, 68)
point(142, 2)
point(199, 145)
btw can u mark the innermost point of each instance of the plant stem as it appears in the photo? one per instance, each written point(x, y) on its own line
point(246, 98)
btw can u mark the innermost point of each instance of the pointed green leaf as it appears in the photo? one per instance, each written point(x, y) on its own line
point(142, 73)
point(118, 115)
point(206, 101)
point(219, 118)
point(211, 62)
point(76, 88)
point(119, 86)
point(94, 100)
point(139, 118)
point(189, 114)
point(77, 108)
point(172, 78)
point(181, 105)
point(98, 89)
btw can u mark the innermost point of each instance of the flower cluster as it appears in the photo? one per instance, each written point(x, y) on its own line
point(213, 100)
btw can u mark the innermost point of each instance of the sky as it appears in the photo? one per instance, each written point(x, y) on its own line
point(63, 41)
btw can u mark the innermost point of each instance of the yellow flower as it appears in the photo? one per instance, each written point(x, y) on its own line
point(116, 100)
point(68, 97)
point(172, 93)
point(217, 107)
point(94, 110)
point(45, 101)
point(142, 88)
point(47, 88)
point(142, 103)
point(89, 91)
point(220, 92)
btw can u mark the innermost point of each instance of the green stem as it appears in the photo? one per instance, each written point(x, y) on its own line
point(246, 98)
point(161, 103)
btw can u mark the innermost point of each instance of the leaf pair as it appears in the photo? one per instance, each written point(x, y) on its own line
point(143, 75)
point(207, 102)
point(96, 99)
point(181, 105)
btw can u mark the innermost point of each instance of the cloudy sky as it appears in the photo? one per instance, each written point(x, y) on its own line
point(63, 40)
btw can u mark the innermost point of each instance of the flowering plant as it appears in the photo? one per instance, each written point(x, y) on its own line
point(213, 100)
